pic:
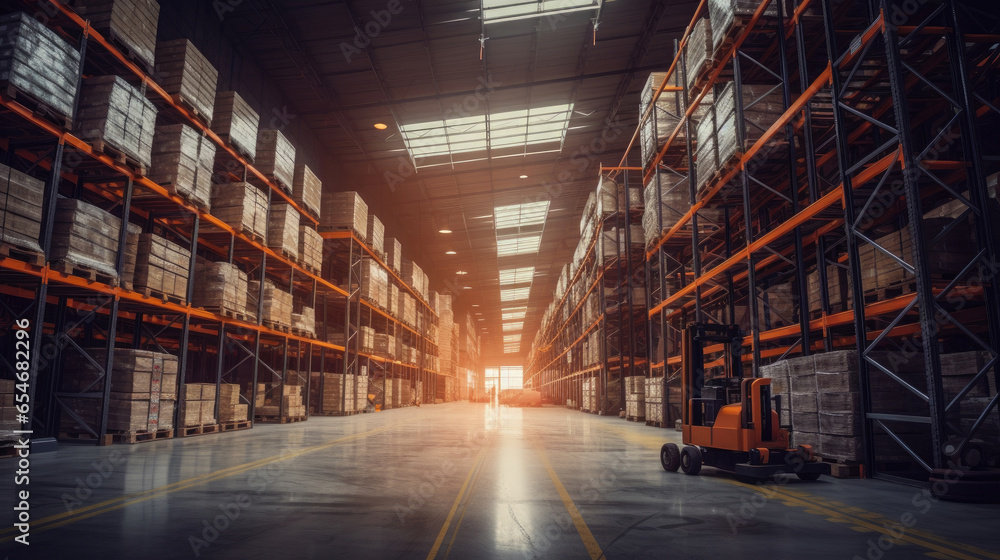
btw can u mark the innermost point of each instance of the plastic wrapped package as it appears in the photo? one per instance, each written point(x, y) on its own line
point(283, 230)
point(243, 206)
point(162, 266)
point(38, 62)
point(183, 160)
point(607, 197)
point(276, 157)
point(114, 112)
point(86, 236)
point(394, 253)
point(310, 248)
point(588, 212)
point(236, 122)
point(307, 189)
point(345, 210)
point(220, 287)
point(21, 198)
point(664, 118)
point(376, 234)
point(699, 45)
point(277, 308)
point(184, 72)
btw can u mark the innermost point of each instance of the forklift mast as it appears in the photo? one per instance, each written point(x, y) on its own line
point(695, 338)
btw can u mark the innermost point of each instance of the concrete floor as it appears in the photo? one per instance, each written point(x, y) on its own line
point(461, 481)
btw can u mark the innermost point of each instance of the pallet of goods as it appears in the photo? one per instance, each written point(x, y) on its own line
point(277, 304)
point(242, 206)
point(118, 120)
point(21, 198)
point(664, 117)
point(276, 158)
point(307, 189)
point(635, 398)
point(38, 68)
point(221, 288)
point(653, 397)
point(279, 403)
point(8, 414)
point(183, 161)
point(345, 211)
point(162, 268)
point(310, 248)
point(130, 25)
point(336, 396)
point(187, 76)
point(198, 409)
point(375, 233)
point(394, 254)
point(236, 123)
point(283, 231)
point(699, 51)
point(84, 241)
point(143, 395)
point(304, 321)
point(729, 16)
point(231, 410)
point(374, 283)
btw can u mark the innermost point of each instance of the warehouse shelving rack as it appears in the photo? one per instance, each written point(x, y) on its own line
point(883, 127)
point(69, 311)
point(558, 365)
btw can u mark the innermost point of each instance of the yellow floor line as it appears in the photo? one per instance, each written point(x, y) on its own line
point(465, 508)
point(454, 507)
point(65, 518)
point(581, 526)
point(850, 514)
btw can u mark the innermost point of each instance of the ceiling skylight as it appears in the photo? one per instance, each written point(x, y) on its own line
point(464, 138)
point(512, 348)
point(495, 11)
point(513, 327)
point(508, 338)
point(518, 245)
point(522, 275)
point(513, 313)
point(514, 294)
point(520, 215)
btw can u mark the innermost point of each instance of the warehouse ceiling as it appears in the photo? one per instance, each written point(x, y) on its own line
point(494, 131)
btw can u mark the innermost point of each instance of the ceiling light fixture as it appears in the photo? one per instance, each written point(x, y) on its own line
point(460, 272)
point(444, 230)
point(450, 253)
point(381, 126)
point(466, 287)
point(524, 176)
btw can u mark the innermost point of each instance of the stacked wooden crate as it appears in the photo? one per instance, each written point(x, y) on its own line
point(345, 211)
point(653, 393)
point(392, 304)
point(143, 392)
point(338, 394)
point(407, 310)
point(221, 288)
point(374, 283)
point(283, 231)
point(276, 158)
point(230, 407)
point(243, 207)
point(198, 408)
point(307, 189)
point(304, 321)
point(277, 304)
point(128, 24)
point(183, 161)
point(21, 198)
point(236, 122)
point(385, 345)
point(367, 339)
point(635, 398)
point(310, 248)
point(188, 76)
point(84, 237)
point(274, 398)
point(394, 254)
point(38, 67)
point(415, 277)
point(162, 268)
point(375, 233)
point(113, 114)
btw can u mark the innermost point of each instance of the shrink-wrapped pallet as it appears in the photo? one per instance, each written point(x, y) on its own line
point(84, 236)
point(162, 266)
point(276, 157)
point(304, 320)
point(236, 122)
point(21, 198)
point(220, 287)
point(723, 14)
point(374, 283)
point(664, 117)
point(310, 248)
point(394, 253)
point(345, 211)
point(242, 206)
point(607, 197)
point(699, 46)
point(114, 113)
point(128, 24)
point(183, 160)
point(283, 230)
point(307, 189)
point(663, 210)
point(230, 407)
point(36, 62)
point(187, 75)
point(375, 233)
point(127, 275)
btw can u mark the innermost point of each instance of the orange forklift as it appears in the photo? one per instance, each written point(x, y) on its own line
point(728, 421)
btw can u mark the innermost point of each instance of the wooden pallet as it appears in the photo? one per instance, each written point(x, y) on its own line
point(287, 189)
point(302, 333)
point(844, 469)
point(245, 154)
point(162, 296)
point(72, 269)
point(656, 424)
point(891, 291)
point(141, 436)
point(38, 108)
point(179, 99)
point(200, 430)
point(28, 256)
point(225, 312)
point(636, 418)
point(249, 234)
point(279, 419)
point(201, 205)
point(336, 413)
point(120, 157)
point(287, 329)
point(86, 436)
point(127, 51)
point(321, 228)
point(235, 425)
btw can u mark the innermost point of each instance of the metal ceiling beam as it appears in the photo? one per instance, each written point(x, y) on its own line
point(656, 11)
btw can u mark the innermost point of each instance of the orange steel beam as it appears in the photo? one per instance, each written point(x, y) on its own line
point(93, 35)
point(575, 342)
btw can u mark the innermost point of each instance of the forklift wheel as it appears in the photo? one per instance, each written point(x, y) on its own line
point(670, 457)
point(808, 475)
point(691, 459)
